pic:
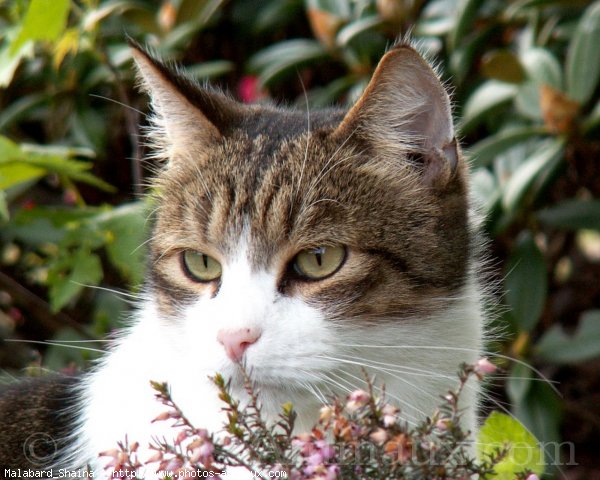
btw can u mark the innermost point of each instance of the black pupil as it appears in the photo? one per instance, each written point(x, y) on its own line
point(319, 255)
point(205, 261)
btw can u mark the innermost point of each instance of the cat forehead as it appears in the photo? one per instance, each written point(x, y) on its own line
point(280, 124)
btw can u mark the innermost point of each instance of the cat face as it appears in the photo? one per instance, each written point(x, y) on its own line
point(288, 240)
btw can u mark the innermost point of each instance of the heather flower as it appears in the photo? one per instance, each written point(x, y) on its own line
point(390, 415)
point(356, 400)
point(484, 367)
point(357, 424)
point(326, 413)
point(379, 436)
point(442, 424)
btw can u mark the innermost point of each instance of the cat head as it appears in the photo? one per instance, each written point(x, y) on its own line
point(285, 238)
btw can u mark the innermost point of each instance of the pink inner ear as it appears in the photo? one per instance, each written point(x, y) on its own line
point(451, 154)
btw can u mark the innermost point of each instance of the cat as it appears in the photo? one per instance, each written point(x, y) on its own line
point(306, 244)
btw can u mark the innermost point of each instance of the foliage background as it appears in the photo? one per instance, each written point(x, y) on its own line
point(524, 76)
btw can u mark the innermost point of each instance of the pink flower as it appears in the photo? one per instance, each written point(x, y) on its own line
point(359, 396)
point(485, 367)
point(326, 451)
point(390, 415)
point(249, 89)
point(379, 436)
point(442, 424)
point(332, 472)
point(357, 399)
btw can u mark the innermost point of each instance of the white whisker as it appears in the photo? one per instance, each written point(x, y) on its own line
point(53, 344)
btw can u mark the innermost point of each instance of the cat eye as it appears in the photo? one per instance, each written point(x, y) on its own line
point(319, 263)
point(200, 267)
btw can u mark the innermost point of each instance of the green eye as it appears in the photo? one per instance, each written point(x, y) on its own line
point(201, 267)
point(318, 263)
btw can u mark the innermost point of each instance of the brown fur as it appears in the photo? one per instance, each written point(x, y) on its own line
point(35, 417)
point(399, 208)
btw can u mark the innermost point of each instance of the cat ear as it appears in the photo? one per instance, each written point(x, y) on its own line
point(187, 118)
point(404, 113)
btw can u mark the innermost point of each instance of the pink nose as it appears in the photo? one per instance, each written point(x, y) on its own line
point(236, 342)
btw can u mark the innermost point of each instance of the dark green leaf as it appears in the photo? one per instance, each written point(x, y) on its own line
point(212, 69)
point(502, 65)
point(519, 383)
point(353, 29)
point(4, 214)
point(573, 215)
point(74, 273)
point(548, 157)
point(281, 57)
point(436, 19)
point(527, 100)
point(583, 64)
point(593, 120)
point(485, 188)
point(542, 67)
point(466, 11)
point(485, 151)
point(69, 347)
point(490, 95)
point(558, 347)
point(526, 282)
point(540, 412)
point(125, 228)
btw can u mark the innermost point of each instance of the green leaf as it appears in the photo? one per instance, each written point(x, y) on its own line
point(44, 20)
point(9, 150)
point(69, 276)
point(66, 348)
point(542, 67)
point(485, 188)
point(24, 160)
point(573, 215)
point(125, 228)
point(502, 431)
point(556, 346)
point(527, 100)
point(4, 214)
point(548, 157)
point(281, 57)
point(93, 17)
point(202, 71)
point(526, 282)
point(20, 107)
point(502, 65)
point(436, 19)
point(593, 120)
point(582, 63)
point(490, 95)
point(519, 383)
point(541, 412)
point(340, 8)
point(353, 29)
point(322, 97)
point(485, 151)
point(466, 10)
point(14, 173)
point(9, 61)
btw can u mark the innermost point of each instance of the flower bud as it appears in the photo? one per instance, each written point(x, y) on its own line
point(485, 367)
point(379, 436)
